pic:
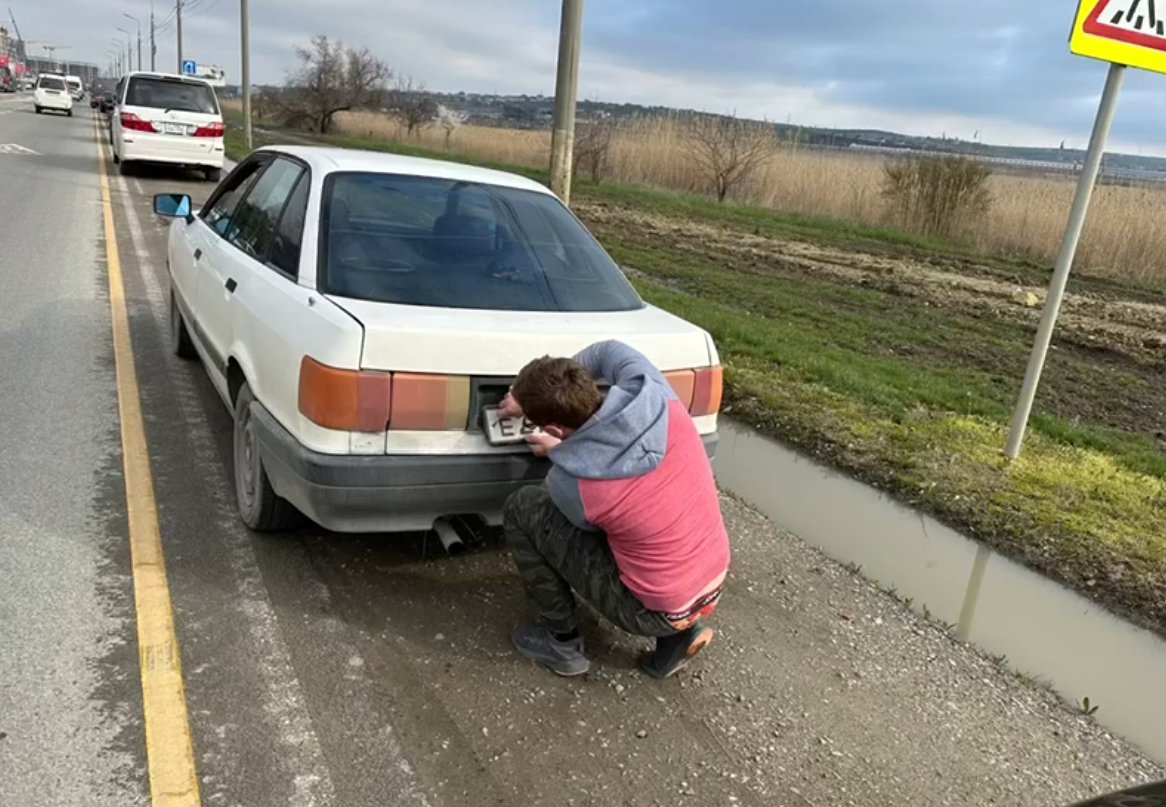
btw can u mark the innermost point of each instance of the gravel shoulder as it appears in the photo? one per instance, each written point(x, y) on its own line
point(820, 689)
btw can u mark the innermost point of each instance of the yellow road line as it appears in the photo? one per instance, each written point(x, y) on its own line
point(169, 749)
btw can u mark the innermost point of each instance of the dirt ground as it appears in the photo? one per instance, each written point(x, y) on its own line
point(819, 689)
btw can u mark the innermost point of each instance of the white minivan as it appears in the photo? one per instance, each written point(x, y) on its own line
point(52, 93)
point(169, 119)
point(76, 88)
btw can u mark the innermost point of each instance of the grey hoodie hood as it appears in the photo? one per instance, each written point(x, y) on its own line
point(629, 434)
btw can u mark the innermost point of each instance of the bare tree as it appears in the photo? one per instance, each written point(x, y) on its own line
point(410, 102)
point(593, 138)
point(729, 150)
point(450, 120)
point(331, 77)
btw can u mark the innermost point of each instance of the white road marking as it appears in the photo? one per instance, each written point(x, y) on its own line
point(283, 697)
point(16, 148)
point(283, 701)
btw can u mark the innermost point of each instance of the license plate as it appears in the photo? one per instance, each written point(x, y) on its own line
point(502, 431)
point(174, 128)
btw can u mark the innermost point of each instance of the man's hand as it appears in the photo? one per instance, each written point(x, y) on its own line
point(509, 407)
point(542, 442)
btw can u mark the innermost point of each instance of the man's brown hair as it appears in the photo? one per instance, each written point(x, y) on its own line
point(556, 391)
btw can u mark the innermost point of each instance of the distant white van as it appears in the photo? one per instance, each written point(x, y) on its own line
point(76, 88)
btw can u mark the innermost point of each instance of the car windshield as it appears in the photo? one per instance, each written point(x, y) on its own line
point(172, 93)
point(52, 84)
point(445, 243)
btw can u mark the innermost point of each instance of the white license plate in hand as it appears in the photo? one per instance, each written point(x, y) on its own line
point(502, 431)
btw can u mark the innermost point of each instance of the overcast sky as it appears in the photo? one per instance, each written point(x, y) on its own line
point(918, 66)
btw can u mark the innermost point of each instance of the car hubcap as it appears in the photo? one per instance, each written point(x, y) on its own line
point(246, 469)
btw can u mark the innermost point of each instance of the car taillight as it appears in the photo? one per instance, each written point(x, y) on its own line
point(373, 401)
point(345, 400)
point(430, 402)
point(707, 391)
point(210, 130)
point(699, 390)
point(135, 124)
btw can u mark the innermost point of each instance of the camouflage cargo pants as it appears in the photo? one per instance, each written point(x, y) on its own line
point(554, 558)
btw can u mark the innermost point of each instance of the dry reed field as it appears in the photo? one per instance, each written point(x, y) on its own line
point(1125, 236)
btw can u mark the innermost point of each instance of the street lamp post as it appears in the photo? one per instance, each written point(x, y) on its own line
point(129, 48)
point(121, 57)
point(139, 24)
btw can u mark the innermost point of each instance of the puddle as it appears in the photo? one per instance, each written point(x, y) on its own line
point(1043, 628)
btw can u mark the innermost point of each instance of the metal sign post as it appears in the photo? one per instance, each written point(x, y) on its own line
point(1123, 33)
point(1048, 320)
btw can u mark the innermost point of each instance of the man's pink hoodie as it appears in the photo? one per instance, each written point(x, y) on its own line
point(638, 471)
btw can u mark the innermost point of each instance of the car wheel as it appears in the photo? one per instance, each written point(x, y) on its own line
point(213, 174)
point(259, 507)
point(38, 110)
point(127, 168)
point(69, 112)
point(180, 342)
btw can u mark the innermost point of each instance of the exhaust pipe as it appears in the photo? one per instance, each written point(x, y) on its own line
point(449, 537)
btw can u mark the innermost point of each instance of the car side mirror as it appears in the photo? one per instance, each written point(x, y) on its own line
point(173, 205)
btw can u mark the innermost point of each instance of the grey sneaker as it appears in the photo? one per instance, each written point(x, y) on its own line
point(535, 641)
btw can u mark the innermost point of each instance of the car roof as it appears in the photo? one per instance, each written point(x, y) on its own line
point(156, 74)
point(330, 160)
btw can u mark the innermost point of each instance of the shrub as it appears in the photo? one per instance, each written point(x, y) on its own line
point(936, 194)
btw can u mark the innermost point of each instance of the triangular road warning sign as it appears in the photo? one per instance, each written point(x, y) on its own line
point(1135, 22)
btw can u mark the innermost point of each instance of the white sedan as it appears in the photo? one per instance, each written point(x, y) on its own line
point(362, 313)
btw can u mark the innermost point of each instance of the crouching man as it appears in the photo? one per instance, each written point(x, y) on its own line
point(629, 517)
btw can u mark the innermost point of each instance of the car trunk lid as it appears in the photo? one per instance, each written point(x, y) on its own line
point(497, 344)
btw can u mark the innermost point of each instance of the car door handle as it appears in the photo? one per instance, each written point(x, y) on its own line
point(197, 254)
point(231, 285)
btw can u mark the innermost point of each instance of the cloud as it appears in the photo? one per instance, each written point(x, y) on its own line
point(998, 66)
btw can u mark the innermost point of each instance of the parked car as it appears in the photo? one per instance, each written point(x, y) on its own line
point(52, 93)
point(169, 119)
point(76, 88)
point(360, 312)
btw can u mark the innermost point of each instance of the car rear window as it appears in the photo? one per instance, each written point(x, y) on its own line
point(51, 84)
point(167, 93)
point(451, 244)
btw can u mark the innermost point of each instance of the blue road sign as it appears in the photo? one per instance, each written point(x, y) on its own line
point(189, 67)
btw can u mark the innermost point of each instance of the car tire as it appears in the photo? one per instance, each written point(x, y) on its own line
point(38, 109)
point(180, 342)
point(69, 112)
point(260, 508)
point(213, 174)
point(127, 168)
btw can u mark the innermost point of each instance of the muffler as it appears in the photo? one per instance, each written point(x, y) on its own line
point(450, 539)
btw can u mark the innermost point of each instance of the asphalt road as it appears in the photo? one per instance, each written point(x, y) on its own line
point(374, 672)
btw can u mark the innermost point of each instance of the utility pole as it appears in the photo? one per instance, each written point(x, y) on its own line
point(153, 43)
point(566, 92)
point(245, 41)
point(178, 20)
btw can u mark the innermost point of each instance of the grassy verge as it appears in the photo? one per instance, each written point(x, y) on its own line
point(912, 396)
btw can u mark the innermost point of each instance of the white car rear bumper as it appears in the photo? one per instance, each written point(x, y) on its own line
point(204, 152)
point(54, 102)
